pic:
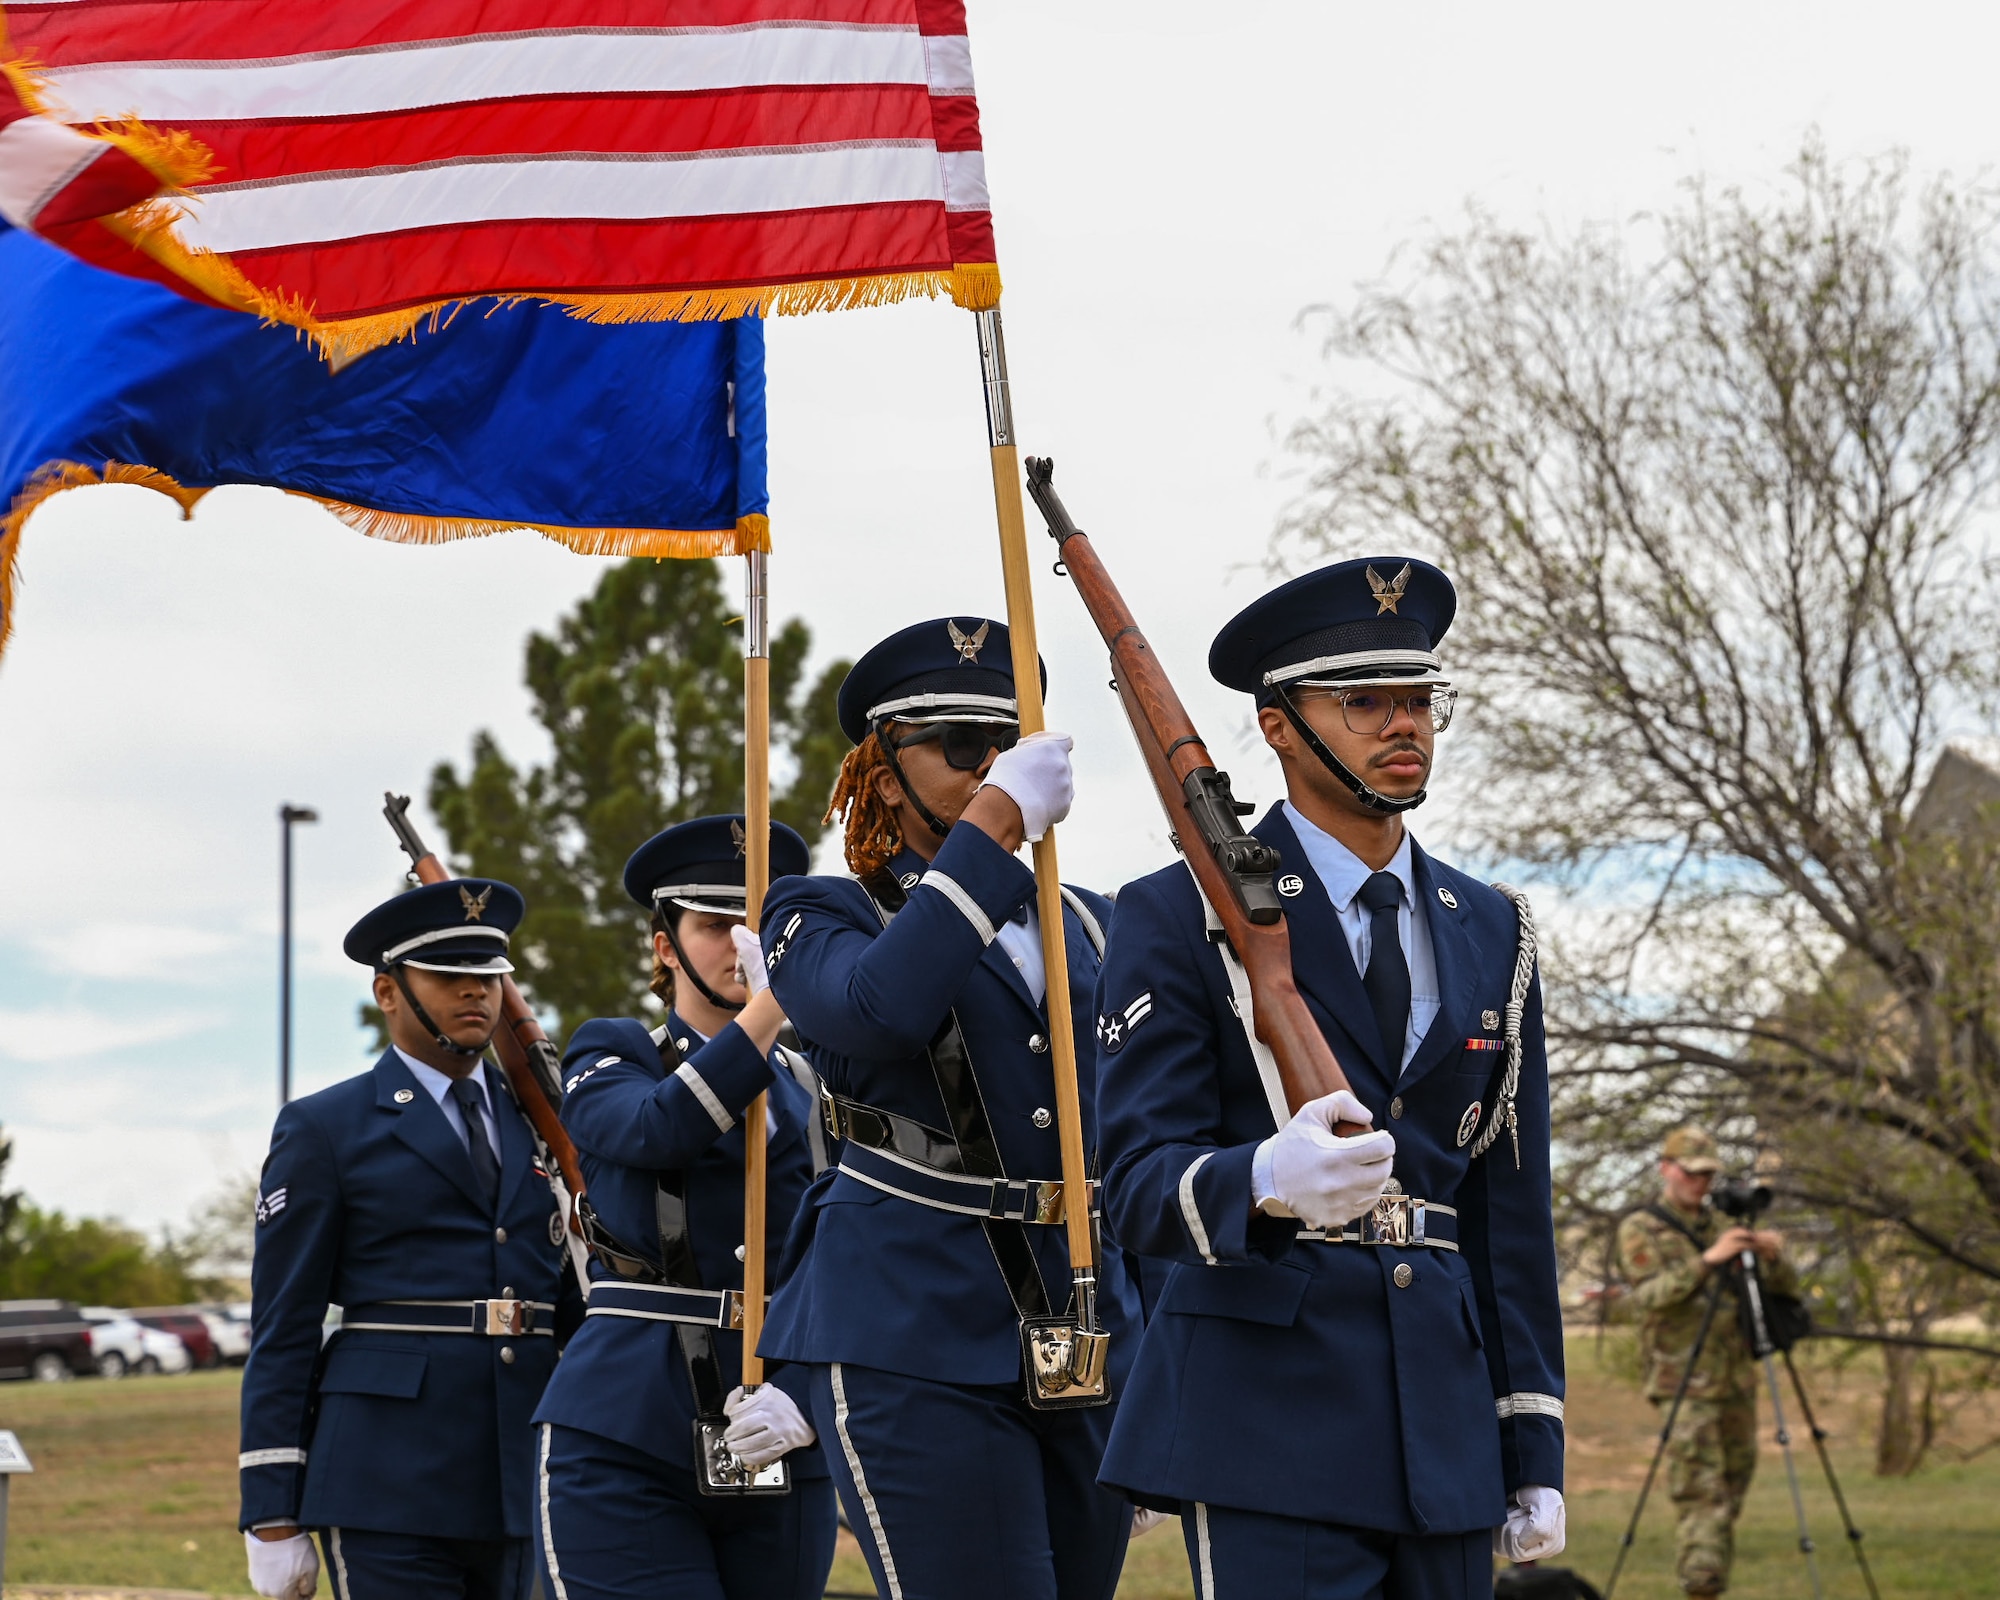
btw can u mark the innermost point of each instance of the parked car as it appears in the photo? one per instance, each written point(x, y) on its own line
point(185, 1324)
point(44, 1339)
point(117, 1343)
point(122, 1345)
point(164, 1353)
point(231, 1336)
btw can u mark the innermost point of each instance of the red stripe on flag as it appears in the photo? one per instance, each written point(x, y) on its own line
point(600, 124)
point(110, 183)
point(971, 235)
point(938, 18)
point(364, 277)
point(206, 30)
point(955, 121)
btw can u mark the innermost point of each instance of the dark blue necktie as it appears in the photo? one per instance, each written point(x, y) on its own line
point(486, 1170)
point(1387, 979)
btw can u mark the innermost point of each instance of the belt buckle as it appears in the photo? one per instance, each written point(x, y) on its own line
point(1390, 1220)
point(506, 1317)
point(829, 1111)
point(1045, 1200)
point(732, 1309)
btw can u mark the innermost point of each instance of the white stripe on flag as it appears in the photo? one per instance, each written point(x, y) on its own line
point(965, 180)
point(948, 63)
point(308, 210)
point(37, 159)
point(405, 78)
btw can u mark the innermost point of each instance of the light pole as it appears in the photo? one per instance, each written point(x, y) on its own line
point(287, 815)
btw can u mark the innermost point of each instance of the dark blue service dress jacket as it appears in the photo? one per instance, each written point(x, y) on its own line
point(1293, 1376)
point(871, 1278)
point(368, 1196)
point(633, 1117)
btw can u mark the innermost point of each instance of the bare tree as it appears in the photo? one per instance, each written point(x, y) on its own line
point(1715, 490)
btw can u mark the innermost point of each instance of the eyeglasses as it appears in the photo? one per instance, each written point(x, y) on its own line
point(1369, 711)
point(964, 744)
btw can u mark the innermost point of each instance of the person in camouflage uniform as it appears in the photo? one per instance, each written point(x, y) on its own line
point(1676, 1254)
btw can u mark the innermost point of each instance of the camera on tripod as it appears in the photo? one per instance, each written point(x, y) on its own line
point(1740, 1198)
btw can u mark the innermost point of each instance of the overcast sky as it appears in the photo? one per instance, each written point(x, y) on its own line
point(1169, 190)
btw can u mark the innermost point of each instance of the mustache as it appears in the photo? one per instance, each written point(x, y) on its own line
point(1400, 747)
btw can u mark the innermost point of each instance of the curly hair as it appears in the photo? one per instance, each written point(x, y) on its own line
point(872, 834)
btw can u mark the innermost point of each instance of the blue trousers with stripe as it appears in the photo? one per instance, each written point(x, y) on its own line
point(967, 1493)
point(362, 1565)
point(613, 1523)
point(1249, 1555)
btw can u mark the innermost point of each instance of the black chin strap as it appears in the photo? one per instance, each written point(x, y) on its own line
point(693, 977)
point(439, 1037)
point(1367, 796)
point(889, 755)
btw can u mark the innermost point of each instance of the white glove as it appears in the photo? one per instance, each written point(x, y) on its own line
point(1144, 1521)
point(283, 1569)
point(1324, 1181)
point(750, 960)
point(1536, 1528)
point(764, 1425)
point(1035, 774)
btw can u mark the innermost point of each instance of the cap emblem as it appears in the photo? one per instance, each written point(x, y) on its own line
point(968, 645)
point(475, 904)
point(1390, 594)
point(739, 838)
point(1468, 1124)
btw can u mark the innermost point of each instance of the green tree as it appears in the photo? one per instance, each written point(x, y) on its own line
point(640, 689)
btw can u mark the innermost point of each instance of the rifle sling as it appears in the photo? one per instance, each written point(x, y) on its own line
point(974, 1152)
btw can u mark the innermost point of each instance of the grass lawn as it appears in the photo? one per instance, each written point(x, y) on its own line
point(135, 1485)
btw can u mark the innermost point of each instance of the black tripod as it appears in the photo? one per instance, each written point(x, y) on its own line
point(1764, 1347)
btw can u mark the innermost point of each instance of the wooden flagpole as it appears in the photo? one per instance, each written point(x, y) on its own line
point(1048, 879)
point(756, 879)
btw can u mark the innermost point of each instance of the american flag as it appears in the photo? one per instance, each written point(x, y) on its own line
point(370, 161)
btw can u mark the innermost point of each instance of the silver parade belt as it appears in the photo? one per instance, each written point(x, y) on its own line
point(1399, 1222)
point(497, 1319)
point(666, 1302)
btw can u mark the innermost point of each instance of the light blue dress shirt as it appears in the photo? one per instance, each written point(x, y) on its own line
point(1343, 873)
point(438, 1087)
point(1023, 943)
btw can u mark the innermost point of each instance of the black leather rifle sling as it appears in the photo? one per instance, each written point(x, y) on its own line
point(973, 1150)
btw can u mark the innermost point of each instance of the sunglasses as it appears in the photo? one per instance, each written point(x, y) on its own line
point(964, 744)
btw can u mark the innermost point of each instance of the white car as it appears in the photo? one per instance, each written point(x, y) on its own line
point(164, 1353)
point(232, 1338)
point(117, 1344)
point(120, 1345)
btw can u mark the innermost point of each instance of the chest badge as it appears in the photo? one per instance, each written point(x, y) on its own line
point(1489, 1020)
point(1468, 1124)
point(556, 1229)
point(405, 1096)
point(909, 880)
point(1291, 884)
point(1448, 898)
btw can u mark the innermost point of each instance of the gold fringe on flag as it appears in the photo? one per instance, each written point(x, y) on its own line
point(752, 532)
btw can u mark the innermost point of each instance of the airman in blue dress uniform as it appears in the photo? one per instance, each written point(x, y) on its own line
point(657, 1121)
point(1352, 1382)
point(415, 1198)
point(919, 992)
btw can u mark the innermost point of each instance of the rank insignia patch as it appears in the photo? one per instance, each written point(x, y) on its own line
point(1115, 1027)
point(1468, 1123)
point(269, 1205)
point(784, 942)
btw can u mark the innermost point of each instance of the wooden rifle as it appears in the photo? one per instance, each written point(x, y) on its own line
point(532, 1063)
point(1233, 867)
